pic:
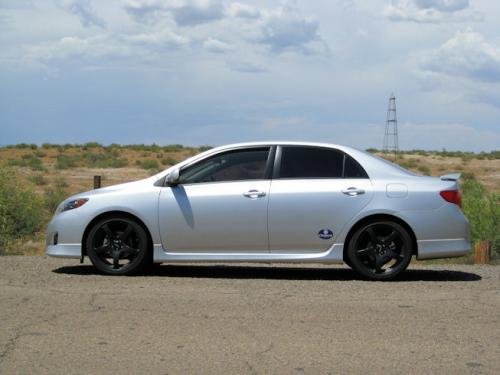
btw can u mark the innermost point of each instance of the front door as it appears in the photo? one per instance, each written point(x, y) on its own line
point(220, 204)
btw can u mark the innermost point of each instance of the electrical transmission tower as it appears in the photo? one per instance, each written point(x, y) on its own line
point(391, 143)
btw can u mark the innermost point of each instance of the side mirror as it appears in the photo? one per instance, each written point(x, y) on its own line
point(173, 177)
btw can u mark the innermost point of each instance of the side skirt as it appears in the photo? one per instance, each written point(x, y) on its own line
point(333, 255)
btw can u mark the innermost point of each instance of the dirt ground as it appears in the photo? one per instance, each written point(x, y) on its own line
point(59, 317)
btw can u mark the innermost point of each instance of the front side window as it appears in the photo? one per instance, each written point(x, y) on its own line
point(316, 162)
point(236, 165)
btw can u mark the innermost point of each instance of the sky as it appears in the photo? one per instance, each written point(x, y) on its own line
point(208, 72)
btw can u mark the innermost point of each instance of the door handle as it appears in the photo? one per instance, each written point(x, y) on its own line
point(254, 194)
point(352, 191)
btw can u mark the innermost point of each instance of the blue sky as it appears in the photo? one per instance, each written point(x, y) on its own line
point(214, 72)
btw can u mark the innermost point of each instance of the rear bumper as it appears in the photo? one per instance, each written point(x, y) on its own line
point(448, 248)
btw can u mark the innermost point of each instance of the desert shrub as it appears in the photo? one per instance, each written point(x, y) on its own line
point(204, 148)
point(424, 169)
point(21, 210)
point(38, 179)
point(169, 161)
point(172, 148)
point(40, 154)
point(483, 211)
point(105, 160)
point(372, 150)
point(66, 161)
point(53, 197)
point(30, 161)
point(91, 145)
point(149, 164)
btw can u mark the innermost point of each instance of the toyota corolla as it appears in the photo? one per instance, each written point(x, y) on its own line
point(267, 202)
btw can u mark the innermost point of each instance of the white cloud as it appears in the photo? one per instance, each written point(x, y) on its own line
point(427, 11)
point(286, 28)
point(242, 11)
point(84, 11)
point(161, 39)
point(183, 12)
point(466, 54)
point(216, 46)
point(75, 47)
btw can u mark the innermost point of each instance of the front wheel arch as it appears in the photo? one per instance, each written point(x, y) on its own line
point(110, 214)
point(379, 217)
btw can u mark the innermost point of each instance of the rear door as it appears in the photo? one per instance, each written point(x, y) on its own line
point(315, 191)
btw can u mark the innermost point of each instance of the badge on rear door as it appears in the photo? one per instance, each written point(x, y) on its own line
point(325, 234)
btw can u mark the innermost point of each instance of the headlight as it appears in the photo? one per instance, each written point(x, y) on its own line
point(74, 203)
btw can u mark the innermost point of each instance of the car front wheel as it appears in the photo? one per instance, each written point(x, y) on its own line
point(118, 246)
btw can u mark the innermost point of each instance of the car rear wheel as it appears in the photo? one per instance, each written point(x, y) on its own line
point(118, 246)
point(380, 250)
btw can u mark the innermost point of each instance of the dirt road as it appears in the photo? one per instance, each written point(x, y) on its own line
point(59, 317)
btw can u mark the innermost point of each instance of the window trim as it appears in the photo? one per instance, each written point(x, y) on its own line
point(267, 172)
point(279, 154)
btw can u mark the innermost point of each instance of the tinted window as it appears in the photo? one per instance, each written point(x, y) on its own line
point(352, 169)
point(311, 162)
point(249, 164)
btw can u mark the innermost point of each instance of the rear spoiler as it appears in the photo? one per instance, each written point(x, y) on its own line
point(450, 177)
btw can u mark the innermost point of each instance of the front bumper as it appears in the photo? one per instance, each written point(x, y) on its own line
point(65, 251)
point(65, 233)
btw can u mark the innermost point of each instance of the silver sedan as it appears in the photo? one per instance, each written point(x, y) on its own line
point(267, 202)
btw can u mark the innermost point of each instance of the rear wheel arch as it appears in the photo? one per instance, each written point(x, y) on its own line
point(374, 218)
point(111, 214)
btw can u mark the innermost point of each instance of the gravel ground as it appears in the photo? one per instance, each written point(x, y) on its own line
point(59, 317)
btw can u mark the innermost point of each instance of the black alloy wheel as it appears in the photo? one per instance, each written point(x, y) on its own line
point(118, 246)
point(380, 250)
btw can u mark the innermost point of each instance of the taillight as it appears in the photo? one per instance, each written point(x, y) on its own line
point(452, 196)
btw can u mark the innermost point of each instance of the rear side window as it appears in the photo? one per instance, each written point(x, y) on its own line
point(315, 162)
point(311, 162)
point(352, 169)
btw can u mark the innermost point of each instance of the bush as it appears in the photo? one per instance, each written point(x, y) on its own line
point(169, 161)
point(27, 160)
point(424, 169)
point(483, 211)
point(53, 197)
point(66, 162)
point(38, 179)
point(21, 210)
point(150, 164)
point(108, 159)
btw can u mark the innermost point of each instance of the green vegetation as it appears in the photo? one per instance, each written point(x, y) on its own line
point(38, 179)
point(21, 210)
point(109, 159)
point(483, 211)
point(169, 161)
point(149, 164)
point(66, 161)
point(55, 195)
point(30, 161)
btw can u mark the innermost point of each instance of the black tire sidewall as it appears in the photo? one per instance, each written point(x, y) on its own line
point(356, 265)
point(138, 264)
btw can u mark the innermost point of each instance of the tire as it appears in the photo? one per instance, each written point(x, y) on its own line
point(380, 250)
point(119, 246)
